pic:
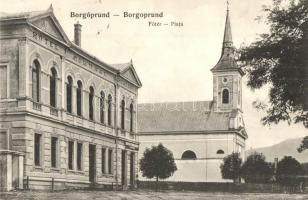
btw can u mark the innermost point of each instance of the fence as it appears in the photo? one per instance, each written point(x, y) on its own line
point(223, 187)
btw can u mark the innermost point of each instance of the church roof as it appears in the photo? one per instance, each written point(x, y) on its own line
point(227, 33)
point(197, 116)
point(227, 59)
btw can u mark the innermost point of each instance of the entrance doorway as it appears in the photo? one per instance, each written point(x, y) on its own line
point(92, 163)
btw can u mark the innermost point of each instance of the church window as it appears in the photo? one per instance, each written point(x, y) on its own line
point(225, 96)
point(53, 87)
point(69, 88)
point(220, 151)
point(123, 114)
point(36, 68)
point(91, 100)
point(79, 98)
point(225, 80)
point(189, 155)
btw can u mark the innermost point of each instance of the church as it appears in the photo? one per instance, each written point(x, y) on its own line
point(201, 133)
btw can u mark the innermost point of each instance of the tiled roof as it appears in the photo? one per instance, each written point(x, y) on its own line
point(181, 117)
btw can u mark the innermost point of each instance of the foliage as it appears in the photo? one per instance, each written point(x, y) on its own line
point(256, 170)
point(304, 145)
point(279, 60)
point(288, 169)
point(157, 162)
point(230, 168)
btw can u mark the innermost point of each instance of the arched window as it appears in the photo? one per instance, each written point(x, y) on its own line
point(53, 87)
point(36, 68)
point(131, 112)
point(123, 114)
point(220, 151)
point(109, 109)
point(189, 155)
point(79, 98)
point(102, 107)
point(225, 96)
point(69, 88)
point(91, 100)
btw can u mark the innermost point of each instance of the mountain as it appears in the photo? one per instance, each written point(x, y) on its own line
point(286, 148)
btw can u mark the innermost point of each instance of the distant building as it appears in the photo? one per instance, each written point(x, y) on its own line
point(65, 116)
point(200, 134)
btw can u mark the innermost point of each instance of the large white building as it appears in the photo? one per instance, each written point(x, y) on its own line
point(200, 134)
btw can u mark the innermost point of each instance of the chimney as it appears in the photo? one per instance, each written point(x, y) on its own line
point(77, 34)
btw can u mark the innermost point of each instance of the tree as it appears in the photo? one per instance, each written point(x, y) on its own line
point(304, 145)
point(279, 60)
point(157, 162)
point(287, 170)
point(256, 170)
point(230, 168)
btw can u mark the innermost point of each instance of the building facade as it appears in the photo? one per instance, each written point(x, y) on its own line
point(200, 134)
point(71, 116)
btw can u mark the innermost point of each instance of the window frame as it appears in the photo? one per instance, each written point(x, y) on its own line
point(131, 111)
point(53, 87)
point(102, 107)
point(184, 156)
point(56, 152)
point(79, 99)
point(103, 160)
point(38, 153)
point(91, 103)
point(69, 96)
point(6, 66)
point(220, 152)
point(109, 114)
point(79, 156)
point(36, 66)
point(70, 166)
point(122, 114)
point(225, 99)
point(110, 161)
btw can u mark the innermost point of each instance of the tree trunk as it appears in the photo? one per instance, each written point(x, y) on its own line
point(156, 184)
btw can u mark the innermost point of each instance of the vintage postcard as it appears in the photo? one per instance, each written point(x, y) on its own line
point(153, 95)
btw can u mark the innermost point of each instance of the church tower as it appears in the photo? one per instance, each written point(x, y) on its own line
point(227, 76)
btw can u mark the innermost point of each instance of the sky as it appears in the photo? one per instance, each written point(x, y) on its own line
point(173, 63)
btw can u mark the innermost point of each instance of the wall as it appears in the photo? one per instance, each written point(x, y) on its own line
point(206, 168)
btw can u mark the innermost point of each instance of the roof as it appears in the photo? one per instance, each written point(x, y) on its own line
point(228, 32)
point(30, 14)
point(227, 59)
point(121, 66)
point(181, 117)
point(35, 15)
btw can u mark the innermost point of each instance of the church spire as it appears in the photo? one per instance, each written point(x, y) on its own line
point(227, 58)
point(227, 42)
